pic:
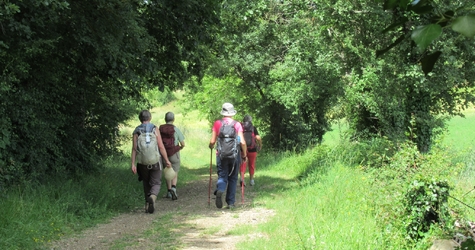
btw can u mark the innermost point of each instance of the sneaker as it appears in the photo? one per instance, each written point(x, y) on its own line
point(151, 203)
point(168, 195)
point(241, 182)
point(173, 192)
point(219, 199)
point(252, 182)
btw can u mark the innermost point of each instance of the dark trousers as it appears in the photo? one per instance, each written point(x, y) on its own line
point(151, 178)
point(228, 171)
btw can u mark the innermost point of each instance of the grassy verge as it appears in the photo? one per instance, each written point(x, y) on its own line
point(34, 215)
point(319, 204)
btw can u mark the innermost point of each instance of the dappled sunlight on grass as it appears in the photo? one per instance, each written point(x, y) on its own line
point(334, 213)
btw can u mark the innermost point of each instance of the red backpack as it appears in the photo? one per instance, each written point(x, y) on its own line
point(167, 131)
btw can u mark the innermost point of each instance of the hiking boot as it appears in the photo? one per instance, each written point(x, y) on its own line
point(151, 203)
point(219, 199)
point(231, 207)
point(241, 183)
point(173, 192)
point(168, 195)
point(252, 182)
point(146, 207)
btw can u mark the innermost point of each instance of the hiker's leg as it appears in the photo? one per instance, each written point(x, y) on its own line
point(232, 181)
point(175, 160)
point(251, 158)
point(142, 169)
point(155, 181)
point(218, 167)
point(223, 167)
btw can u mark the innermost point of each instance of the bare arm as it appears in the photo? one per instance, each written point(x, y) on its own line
point(243, 146)
point(134, 153)
point(212, 141)
point(259, 141)
point(162, 149)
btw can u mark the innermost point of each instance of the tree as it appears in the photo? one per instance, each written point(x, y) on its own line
point(285, 78)
point(74, 70)
point(295, 59)
point(393, 97)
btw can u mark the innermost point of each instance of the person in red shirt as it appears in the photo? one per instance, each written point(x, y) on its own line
point(227, 168)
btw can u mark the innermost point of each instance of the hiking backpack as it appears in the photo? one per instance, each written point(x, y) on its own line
point(147, 146)
point(249, 136)
point(167, 131)
point(227, 141)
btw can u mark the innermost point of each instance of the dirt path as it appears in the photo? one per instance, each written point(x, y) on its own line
point(194, 224)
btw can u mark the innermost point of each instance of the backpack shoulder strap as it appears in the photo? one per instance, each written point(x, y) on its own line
point(149, 127)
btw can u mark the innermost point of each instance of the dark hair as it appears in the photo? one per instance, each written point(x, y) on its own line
point(247, 118)
point(145, 115)
point(169, 116)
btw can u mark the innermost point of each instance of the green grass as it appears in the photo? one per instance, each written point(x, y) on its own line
point(460, 136)
point(34, 215)
point(321, 198)
point(332, 211)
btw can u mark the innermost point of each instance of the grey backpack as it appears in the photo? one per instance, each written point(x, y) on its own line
point(227, 141)
point(147, 146)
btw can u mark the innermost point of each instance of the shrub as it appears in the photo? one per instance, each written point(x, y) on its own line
point(426, 205)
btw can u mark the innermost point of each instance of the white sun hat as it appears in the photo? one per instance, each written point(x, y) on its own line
point(228, 109)
point(169, 174)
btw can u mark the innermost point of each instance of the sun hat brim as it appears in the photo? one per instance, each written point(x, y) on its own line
point(228, 113)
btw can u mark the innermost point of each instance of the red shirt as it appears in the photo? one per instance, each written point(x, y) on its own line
point(227, 120)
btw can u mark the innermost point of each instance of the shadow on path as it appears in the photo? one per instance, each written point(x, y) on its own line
point(187, 223)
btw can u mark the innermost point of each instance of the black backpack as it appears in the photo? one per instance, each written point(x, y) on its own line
point(227, 141)
point(249, 136)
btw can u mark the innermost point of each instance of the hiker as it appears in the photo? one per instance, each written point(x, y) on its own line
point(226, 132)
point(147, 151)
point(254, 144)
point(174, 141)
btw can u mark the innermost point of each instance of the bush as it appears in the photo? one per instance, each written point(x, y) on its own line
point(426, 205)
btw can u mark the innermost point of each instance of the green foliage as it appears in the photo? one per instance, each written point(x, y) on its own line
point(157, 98)
point(426, 205)
point(425, 21)
point(405, 181)
point(424, 35)
point(464, 25)
point(283, 76)
point(72, 72)
point(391, 96)
point(394, 101)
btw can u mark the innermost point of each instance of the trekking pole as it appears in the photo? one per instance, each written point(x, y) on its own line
point(242, 185)
point(210, 169)
point(242, 191)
